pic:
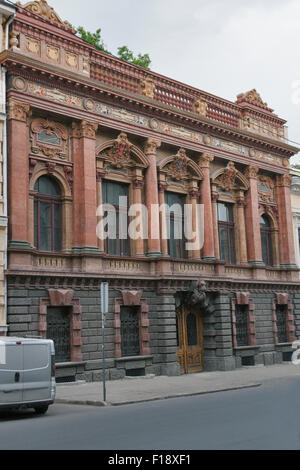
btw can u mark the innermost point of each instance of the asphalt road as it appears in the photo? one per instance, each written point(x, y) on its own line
point(267, 417)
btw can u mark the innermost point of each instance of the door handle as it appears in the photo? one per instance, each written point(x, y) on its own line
point(17, 377)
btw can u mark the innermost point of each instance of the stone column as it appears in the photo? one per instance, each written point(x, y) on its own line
point(214, 202)
point(138, 185)
point(205, 199)
point(286, 242)
point(253, 219)
point(152, 200)
point(241, 204)
point(84, 193)
point(18, 173)
point(163, 221)
point(99, 176)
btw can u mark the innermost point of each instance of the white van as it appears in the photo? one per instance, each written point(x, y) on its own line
point(27, 373)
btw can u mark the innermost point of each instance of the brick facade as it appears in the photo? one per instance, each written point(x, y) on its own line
point(84, 119)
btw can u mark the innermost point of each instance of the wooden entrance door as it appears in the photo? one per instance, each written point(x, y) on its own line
point(189, 340)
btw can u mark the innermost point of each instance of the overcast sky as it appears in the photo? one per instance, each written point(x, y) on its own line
point(224, 47)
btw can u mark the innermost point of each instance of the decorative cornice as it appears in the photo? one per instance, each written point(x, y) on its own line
point(17, 60)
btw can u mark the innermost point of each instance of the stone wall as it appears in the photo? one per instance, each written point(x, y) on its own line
point(219, 354)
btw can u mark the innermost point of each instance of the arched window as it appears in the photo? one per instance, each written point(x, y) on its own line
point(266, 240)
point(47, 215)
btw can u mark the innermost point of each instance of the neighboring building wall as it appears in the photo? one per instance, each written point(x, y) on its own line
point(295, 199)
point(6, 14)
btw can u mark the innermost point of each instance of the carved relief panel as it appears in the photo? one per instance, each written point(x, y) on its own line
point(49, 138)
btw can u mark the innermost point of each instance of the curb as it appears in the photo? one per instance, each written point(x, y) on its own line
point(145, 400)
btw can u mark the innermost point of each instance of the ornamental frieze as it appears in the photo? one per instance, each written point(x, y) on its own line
point(163, 127)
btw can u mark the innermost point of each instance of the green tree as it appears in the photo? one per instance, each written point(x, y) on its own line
point(93, 38)
point(142, 60)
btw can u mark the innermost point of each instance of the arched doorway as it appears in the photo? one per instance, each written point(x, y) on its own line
point(189, 340)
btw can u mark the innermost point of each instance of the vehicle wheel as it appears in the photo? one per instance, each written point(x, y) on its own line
point(41, 410)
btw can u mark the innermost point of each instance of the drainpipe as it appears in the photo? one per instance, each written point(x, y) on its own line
point(4, 163)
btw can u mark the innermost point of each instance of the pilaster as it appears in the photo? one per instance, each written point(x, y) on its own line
point(208, 252)
point(286, 243)
point(85, 191)
point(18, 169)
point(152, 199)
point(252, 218)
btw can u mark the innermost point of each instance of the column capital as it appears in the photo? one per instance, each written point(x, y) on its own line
point(19, 111)
point(205, 159)
point(138, 184)
point(84, 129)
point(284, 180)
point(100, 175)
point(215, 197)
point(241, 202)
point(251, 172)
point(193, 193)
point(162, 187)
point(151, 145)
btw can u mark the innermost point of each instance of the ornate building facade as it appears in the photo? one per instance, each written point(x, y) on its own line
point(86, 128)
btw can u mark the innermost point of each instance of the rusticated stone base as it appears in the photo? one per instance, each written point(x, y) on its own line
point(159, 329)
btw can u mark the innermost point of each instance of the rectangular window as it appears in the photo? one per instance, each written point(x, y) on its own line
point(226, 232)
point(130, 331)
point(241, 315)
point(58, 329)
point(175, 224)
point(116, 244)
point(281, 319)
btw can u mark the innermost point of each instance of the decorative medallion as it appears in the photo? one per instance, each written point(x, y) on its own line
point(19, 84)
point(154, 124)
point(89, 104)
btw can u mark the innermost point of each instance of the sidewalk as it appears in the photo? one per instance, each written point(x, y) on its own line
point(134, 390)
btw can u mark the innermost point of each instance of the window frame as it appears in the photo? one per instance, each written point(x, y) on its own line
point(120, 243)
point(267, 240)
point(40, 198)
point(179, 245)
point(229, 227)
